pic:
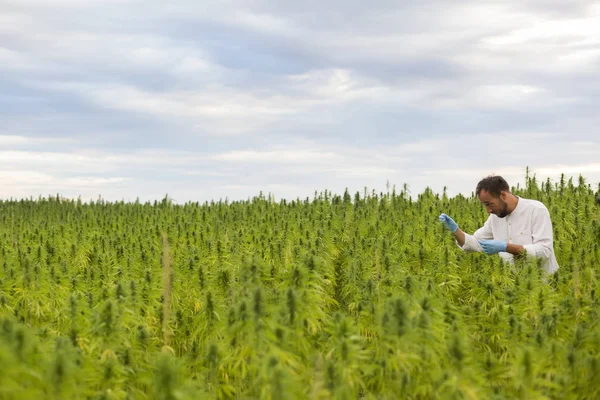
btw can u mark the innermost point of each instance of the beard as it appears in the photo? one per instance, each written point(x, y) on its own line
point(504, 211)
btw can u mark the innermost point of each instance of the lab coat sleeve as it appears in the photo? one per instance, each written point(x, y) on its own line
point(471, 241)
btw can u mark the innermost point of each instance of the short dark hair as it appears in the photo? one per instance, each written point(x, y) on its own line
point(493, 185)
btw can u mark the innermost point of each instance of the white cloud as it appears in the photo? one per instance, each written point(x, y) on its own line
point(67, 3)
point(10, 59)
point(219, 111)
point(94, 161)
point(27, 183)
point(12, 140)
point(9, 142)
point(92, 181)
point(16, 177)
point(500, 96)
point(278, 156)
point(579, 31)
point(235, 187)
point(556, 170)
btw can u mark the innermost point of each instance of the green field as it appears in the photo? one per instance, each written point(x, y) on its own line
point(341, 296)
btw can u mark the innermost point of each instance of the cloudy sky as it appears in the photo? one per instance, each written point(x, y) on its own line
point(203, 100)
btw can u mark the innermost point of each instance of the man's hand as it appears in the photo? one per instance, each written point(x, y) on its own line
point(448, 223)
point(492, 246)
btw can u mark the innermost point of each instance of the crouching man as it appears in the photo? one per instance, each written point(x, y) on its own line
point(515, 226)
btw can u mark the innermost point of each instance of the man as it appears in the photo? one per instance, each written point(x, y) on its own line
point(515, 227)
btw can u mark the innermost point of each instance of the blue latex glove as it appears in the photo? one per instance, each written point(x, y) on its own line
point(492, 246)
point(448, 223)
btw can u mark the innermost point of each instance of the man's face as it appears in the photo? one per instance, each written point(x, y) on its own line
point(494, 205)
